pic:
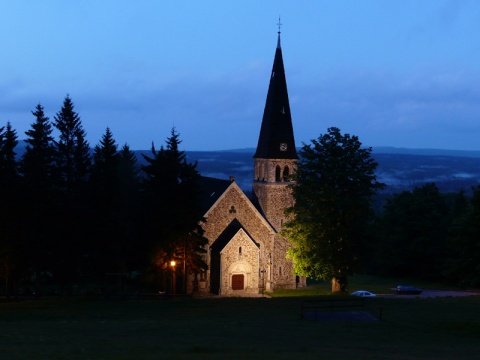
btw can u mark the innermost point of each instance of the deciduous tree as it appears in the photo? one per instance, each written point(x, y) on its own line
point(334, 183)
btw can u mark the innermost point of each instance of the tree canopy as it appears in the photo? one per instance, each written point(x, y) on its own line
point(334, 183)
point(173, 211)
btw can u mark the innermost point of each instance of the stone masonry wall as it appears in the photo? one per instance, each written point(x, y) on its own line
point(234, 204)
point(240, 256)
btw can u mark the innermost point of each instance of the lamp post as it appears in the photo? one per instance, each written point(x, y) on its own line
point(172, 264)
point(263, 280)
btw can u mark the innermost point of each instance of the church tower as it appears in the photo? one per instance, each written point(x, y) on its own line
point(246, 253)
point(276, 155)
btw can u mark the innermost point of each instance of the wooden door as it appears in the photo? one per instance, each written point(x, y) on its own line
point(238, 282)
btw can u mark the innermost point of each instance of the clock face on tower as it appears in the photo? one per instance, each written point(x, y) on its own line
point(283, 146)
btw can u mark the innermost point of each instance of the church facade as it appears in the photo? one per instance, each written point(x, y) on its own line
point(246, 253)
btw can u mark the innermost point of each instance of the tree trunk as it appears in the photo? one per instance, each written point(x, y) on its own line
point(339, 284)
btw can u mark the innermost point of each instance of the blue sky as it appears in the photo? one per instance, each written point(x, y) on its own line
point(403, 73)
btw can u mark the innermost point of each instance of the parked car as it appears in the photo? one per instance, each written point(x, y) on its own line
point(407, 290)
point(363, 293)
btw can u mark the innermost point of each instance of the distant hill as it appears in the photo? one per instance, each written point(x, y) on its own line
point(400, 168)
point(432, 152)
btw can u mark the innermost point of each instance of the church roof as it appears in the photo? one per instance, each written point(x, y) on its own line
point(211, 189)
point(276, 140)
point(227, 234)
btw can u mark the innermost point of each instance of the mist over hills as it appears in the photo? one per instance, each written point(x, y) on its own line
point(399, 168)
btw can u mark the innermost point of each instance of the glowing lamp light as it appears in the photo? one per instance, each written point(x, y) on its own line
point(172, 263)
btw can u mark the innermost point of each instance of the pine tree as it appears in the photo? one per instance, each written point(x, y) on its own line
point(8, 162)
point(38, 161)
point(12, 256)
point(39, 198)
point(105, 207)
point(172, 204)
point(106, 160)
point(73, 164)
point(73, 151)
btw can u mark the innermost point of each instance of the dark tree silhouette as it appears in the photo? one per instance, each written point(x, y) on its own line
point(11, 252)
point(412, 234)
point(38, 162)
point(462, 266)
point(73, 164)
point(39, 197)
point(172, 208)
point(73, 151)
point(105, 209)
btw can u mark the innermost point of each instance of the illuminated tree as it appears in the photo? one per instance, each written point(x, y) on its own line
point(335, 181)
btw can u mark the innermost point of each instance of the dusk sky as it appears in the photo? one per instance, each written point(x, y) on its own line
point(402, 73)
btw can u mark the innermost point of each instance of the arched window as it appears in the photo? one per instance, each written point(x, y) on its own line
point(277, 173)
point(240, 250)
point(286, 173)
point(261, 172)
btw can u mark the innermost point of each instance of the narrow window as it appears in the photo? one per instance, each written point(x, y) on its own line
point(240, 250)
point(277, 173)
point(286, 173)
point(280, 270)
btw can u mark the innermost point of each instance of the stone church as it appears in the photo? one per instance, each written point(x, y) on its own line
point(245, 252)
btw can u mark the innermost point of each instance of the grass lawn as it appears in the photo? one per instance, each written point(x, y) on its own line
point(235, 328)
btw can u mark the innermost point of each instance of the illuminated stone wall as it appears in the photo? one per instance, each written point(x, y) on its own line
point(240, 256)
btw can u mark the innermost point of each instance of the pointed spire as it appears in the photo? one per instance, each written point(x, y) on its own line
point(276, 140)
point(279, 27)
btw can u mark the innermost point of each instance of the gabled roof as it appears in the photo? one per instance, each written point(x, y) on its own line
point(223, 239)
point(242, 197)
point(277, 126)
point(211, 189)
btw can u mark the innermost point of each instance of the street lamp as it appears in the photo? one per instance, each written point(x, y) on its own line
point(172, 264)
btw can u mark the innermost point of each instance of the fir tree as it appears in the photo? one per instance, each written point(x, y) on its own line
point(38, 161)
point(73, 164)
point(173, 214)
point(8, 162)
point(12, 255)
point(73, 152)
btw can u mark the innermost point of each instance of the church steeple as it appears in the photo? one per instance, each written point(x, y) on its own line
point(276, 140)
point(276, 157)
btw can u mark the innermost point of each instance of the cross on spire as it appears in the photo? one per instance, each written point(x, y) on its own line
point(279, 27)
